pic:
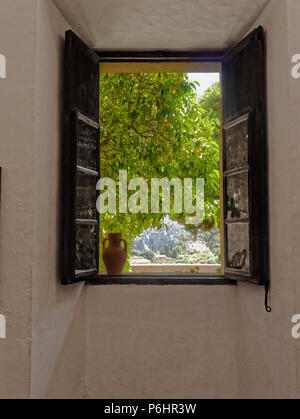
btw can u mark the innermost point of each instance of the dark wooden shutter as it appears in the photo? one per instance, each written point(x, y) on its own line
point(81, 160)
point(245, 161)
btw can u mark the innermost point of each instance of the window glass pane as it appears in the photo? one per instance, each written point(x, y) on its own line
point(87, 146)
point(237, 145)
point(237, 196)
point(86, 196)
point(86, 247)
point(238, 246)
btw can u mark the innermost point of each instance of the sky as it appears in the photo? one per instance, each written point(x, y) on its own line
point(205, 79)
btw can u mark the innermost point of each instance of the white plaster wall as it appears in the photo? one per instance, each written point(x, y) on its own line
point(266, 363)
point(43, 355)
point(129, 330)
point(17, 43)
point(174, 341)
point(147, 341)
point(294, 109)
point(58, 322)
point(141, 329)
point(161, 341)
point(161, 24)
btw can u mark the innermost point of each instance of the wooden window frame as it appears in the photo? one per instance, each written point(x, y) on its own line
point(161, 61)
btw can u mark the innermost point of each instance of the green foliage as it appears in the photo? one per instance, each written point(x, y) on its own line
point(204, 256)
point(183, 254)
point(212, 241)
point(210, 101)
point(148, 254)
point(155, 126)
point(135, 253)
point(173, 253)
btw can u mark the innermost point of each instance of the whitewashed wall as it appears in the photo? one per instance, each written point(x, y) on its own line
point(117, 341)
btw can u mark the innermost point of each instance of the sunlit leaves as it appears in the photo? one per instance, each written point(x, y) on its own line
point(154, 126)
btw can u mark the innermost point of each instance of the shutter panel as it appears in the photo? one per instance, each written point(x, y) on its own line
point(245, 173)
point(81, 160)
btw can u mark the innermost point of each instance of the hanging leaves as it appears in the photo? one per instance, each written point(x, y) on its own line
point(154, 126)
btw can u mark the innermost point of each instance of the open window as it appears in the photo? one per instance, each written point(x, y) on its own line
point(243, 167)
point(160, 129)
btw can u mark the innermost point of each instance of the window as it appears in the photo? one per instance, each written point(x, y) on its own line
point(244, 165)
point(160, 124)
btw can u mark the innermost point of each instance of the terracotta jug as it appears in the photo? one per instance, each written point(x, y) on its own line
point(114, 256)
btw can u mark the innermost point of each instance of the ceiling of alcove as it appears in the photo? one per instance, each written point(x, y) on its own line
point(161, 24)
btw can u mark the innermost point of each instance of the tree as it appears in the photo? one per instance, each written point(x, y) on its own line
point(148, 254)
point(204, 256)
point(155, 126)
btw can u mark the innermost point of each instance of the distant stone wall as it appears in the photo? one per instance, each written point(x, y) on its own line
point(176, 268)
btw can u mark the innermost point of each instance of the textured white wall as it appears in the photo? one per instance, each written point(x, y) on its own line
point(17, 107)
point(267, 365)
point(161, 24)
point(141, 341)
point(161, 341)
point(136, 326)
point(43, 354)
point(293, 16)
point(58, 323)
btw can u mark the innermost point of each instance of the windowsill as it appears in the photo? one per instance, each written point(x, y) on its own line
point(160, 279)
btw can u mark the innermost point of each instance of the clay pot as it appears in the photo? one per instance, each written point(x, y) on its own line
point(114, 256)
